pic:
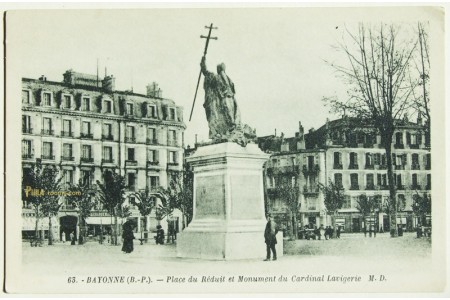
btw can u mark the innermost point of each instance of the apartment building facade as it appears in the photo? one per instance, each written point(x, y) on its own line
point(353, 157)
point(86, 127)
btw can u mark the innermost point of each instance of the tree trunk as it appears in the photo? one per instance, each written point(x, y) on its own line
point(36, 235)
point(50, 234)
point(392, 198)
point(82, 233)
point(333, 219)
point(116, 224)
point(294, 220)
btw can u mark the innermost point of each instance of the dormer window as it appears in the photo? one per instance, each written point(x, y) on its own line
point(86, 104)
point(172, 113)
point(47, 98)
point(152, 112)
point(67, 101)
point(130, 109)
point(26, 99)
point(108, 106)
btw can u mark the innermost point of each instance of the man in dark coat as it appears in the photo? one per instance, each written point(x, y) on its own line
point(270, 236)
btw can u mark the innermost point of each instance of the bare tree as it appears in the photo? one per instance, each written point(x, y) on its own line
point(334, 196)
point(288, 191)
point(379, 66)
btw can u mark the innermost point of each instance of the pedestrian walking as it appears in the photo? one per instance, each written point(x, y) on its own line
point(338, 232)
point(72, 238)
point(159, 238)
point(128, 237)
point(270, 238)
point(365, 231)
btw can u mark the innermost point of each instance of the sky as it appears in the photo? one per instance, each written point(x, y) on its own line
point(275, 57)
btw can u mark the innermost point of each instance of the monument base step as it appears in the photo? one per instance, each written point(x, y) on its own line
point(224, 245)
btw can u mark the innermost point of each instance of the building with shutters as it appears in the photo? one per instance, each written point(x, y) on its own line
point(86, 127)
point(351, 155)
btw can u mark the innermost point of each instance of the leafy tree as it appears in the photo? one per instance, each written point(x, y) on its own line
point(422, 206)
point(47, 180)
point(334, 197)
point(111, 195)
point(83, 198)
point(145, 203)
point(178, 195)
point(288, 191)
point(368, 206)
point(380, 93)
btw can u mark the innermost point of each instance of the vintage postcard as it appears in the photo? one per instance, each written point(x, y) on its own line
point(207, 149)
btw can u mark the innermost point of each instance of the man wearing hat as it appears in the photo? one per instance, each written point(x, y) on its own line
point(270, 236)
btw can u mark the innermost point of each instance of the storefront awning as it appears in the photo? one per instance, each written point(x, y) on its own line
point(101, 220)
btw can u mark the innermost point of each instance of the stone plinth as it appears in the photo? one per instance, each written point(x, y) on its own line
point(229, 218)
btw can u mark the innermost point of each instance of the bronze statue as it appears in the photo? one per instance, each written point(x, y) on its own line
point(221, 108)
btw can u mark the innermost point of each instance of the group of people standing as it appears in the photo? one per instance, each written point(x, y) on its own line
point(319, 233)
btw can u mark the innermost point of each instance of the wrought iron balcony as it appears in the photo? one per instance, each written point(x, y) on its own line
point(414, 146)
point(369, 167)
point(67, 133)
point(85, 135)
point(47, 132)
point(152, 141)
point(107, 160)
point(370, 187)
point(152, 163)
point(354, 187)
point(67, 158)
point(107, 137)
point(400, 187)
point(87, 159)
point(48, 157)
point(130, 139)
point(27, 155)
point(129, 162)
point(27, 130)
point(399, 146)
point(399, 167)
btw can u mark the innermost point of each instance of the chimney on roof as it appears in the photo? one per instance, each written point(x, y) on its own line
point(108, 83)
point(275, 132)
point(43, 78)
point(69, 77)
point(153, 90)
point(419, 119)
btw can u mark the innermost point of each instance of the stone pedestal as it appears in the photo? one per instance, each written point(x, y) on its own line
point(229, 218)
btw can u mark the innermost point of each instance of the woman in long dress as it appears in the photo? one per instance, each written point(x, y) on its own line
point(128, 238)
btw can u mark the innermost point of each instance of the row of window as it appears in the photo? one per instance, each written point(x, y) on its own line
point(412, 139)
point(382, 181)
point(378, 159)
point(67, 102)
point(86, 130)
point(87, 154)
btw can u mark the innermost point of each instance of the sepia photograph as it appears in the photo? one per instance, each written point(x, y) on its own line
point(229, 150)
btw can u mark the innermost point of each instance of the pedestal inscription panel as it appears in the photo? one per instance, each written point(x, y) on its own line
point(210, 197)
point(246, 192)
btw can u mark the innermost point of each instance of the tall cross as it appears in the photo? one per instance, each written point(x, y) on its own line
point(209, 37)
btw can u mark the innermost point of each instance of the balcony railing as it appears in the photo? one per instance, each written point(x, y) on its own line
point(415, 167)
point(27, 155)
point(369, 167)
point(400, 187)
point(172, 164)
point(384, 187)
point(87, 159)
point(310, 170)
point(416, 187)
point(131, 139)
point(353, 166)
point(152, 141)
point(67, 133)
point(354, 187)
point(107, 160)
point(337, 166)
point(399, 167)
point(48, 157)
point(173, 143)
point(399, 146)
point(85, 135)
point(370, 187)
point(27, 130)
point(131, 162)
point(107, 137)
point(152, 163)
point(67, 158)
point(414, 146)
point(310, 190)
point(47, 132)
